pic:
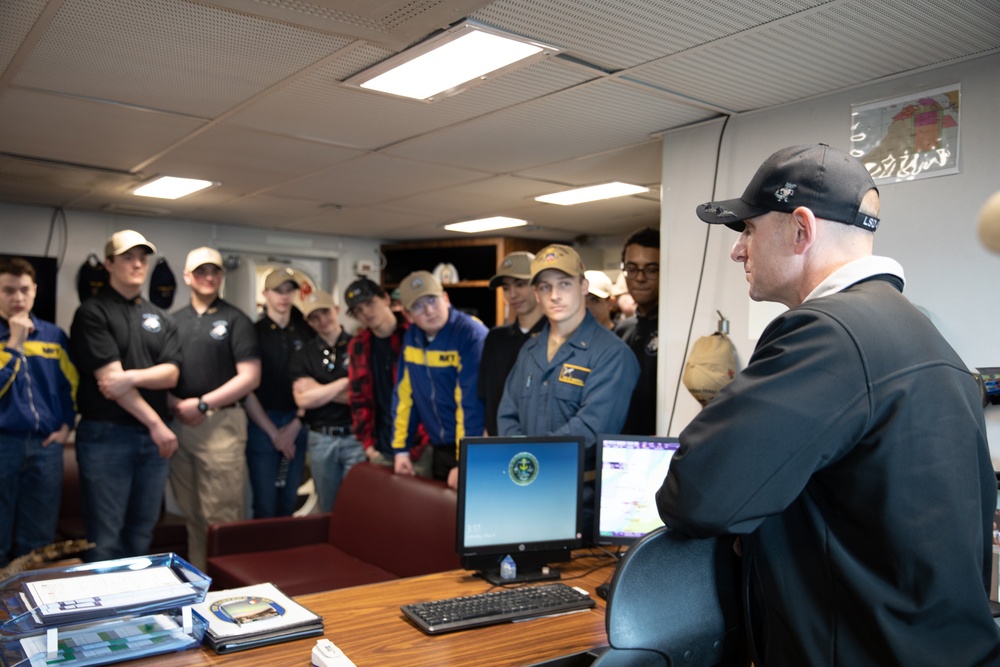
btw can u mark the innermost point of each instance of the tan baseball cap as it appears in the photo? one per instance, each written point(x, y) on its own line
point(416, 285)
point(619, 287)
point(515, 265)
point(600, 283)
point(279, 277)
point(710, 367)
point(200, 256)
point(125, 240)
point(317, 300)
point(557, 256)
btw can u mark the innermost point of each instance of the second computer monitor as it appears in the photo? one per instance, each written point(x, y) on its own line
point(630, 470)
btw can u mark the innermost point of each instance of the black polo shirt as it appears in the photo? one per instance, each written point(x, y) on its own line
point(212, 344)
point(108, 327)
point(500, 351)
point(324, 364)
point(641, 335)
point(276, 347)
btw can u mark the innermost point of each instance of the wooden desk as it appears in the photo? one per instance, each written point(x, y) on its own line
point(366, 623)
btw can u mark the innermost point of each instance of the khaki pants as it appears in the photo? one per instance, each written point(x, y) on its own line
point(208, 475)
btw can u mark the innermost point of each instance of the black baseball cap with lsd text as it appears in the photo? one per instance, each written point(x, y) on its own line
point(828, 181)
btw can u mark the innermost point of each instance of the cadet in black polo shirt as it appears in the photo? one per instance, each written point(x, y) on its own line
point(504, 342)
point(319, 384)
point(221, 366)
point(277, 438)
point(128, 353)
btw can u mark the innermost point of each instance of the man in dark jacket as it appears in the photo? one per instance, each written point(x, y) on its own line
point(850, 455)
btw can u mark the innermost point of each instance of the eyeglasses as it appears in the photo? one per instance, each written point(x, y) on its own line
point(651, 271)
point(424, 304)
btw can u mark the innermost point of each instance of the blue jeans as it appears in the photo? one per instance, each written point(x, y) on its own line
point(263, 461)
point(30, 486)
point(330, 457)
point(122, 477)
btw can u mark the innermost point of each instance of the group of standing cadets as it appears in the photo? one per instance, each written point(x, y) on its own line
point(862, 500)
point(209, 401)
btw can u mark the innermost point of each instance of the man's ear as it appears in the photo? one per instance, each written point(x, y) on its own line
point(804, 221)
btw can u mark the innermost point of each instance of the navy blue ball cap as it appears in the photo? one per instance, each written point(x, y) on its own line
point(828, 181)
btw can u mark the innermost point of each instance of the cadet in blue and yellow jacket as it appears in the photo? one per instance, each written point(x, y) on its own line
point(437, 378)
point(37, 393)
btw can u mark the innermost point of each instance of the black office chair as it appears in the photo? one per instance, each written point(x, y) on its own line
point(674, 602)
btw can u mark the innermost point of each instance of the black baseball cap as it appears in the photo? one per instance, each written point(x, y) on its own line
point(361, 291)
point(825, 180)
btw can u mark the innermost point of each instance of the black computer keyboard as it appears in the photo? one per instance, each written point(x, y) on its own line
point(502, 606)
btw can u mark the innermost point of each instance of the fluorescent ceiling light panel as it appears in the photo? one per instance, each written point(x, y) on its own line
point(171, 187)
point(452, 61)
point(485, 225)
point(592, 193)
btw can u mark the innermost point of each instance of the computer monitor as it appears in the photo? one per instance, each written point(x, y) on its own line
point(519, 497)
point(630, 470)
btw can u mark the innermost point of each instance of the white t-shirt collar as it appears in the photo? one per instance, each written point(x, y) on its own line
point(854, 272)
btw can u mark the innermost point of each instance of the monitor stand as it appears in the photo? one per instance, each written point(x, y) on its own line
point(523, 576)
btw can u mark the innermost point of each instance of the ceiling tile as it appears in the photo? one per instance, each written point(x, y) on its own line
point(372, 179)
point(85, 132)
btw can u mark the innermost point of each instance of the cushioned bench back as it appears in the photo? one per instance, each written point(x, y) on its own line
point(403, 524)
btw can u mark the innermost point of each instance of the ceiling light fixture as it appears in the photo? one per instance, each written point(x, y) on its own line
point(485, 224)
point(450, 62)
point(592, 193)
point(171, 187)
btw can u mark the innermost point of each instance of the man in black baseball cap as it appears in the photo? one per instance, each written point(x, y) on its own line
point(850, 456)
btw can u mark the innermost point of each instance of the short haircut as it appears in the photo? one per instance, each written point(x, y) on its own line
point(17, 266)
point(647, 237)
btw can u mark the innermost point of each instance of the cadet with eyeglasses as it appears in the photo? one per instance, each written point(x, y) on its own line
point(641, 268)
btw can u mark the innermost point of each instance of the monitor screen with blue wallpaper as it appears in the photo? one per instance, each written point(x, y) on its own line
point(520, 497)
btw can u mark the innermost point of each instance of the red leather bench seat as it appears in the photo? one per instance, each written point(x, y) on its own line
point(383, 526)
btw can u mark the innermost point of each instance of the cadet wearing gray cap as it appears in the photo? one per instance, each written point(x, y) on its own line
point(850, 455)
point(128, 353)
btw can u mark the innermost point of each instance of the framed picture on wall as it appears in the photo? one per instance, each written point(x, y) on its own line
point(909, 137)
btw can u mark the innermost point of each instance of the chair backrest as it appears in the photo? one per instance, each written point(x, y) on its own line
point(674, 601)
point(402, 524)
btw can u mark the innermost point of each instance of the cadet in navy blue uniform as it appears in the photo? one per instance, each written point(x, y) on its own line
point(128, 353)
point(572, 377)
point(221, 366)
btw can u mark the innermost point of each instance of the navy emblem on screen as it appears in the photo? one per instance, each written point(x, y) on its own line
point(523, 468)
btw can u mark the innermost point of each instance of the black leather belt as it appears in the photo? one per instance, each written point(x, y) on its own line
point(334, 430)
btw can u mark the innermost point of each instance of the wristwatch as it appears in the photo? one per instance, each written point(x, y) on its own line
point(202, 406)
